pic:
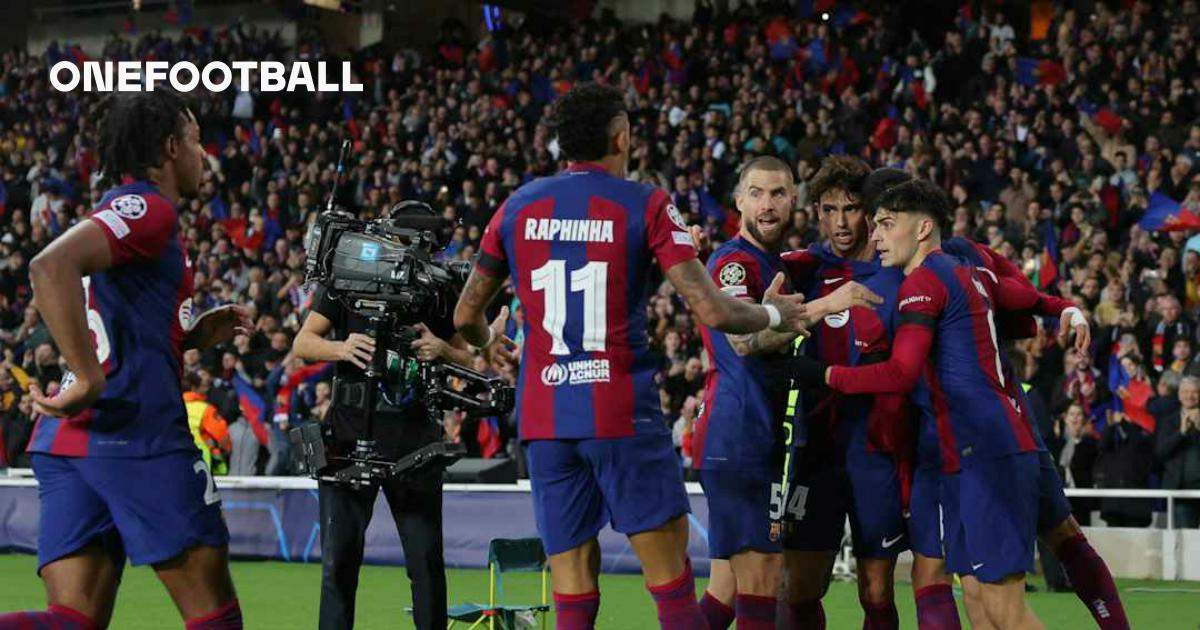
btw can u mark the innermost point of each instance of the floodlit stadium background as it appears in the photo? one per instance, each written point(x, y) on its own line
point(1067, 133)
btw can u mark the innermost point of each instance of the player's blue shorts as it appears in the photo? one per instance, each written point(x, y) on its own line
point(1053, 506)
point(925, 512)
point(877, 524)
point(579, 486)
point(739, 503)
point(818, 508)
point(150, 508)
point(991, 521)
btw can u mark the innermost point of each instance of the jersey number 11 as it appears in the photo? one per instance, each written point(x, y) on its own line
point(591, 280)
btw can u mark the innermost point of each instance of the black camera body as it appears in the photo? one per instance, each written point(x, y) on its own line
point(384, 270)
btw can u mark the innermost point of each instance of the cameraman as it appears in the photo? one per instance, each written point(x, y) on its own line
point(416, 502)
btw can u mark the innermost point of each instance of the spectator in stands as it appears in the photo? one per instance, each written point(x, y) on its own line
point(1127, 457)
point(1076, 450)
point(1027, 155)
point(1158, 337)
point(16, 426)
point(1135, 393)
point(1178, 451)
point(1080, 383)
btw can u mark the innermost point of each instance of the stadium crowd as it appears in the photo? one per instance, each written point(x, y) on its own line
point(1065, 146)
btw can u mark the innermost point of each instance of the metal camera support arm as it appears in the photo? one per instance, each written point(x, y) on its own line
point(478, 394)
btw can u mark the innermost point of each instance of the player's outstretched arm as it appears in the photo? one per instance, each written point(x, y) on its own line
point(897, 375)
point(56, 276)
point(715, 309)
point(1015, 294)
point(217, 326)
point(849, 295)
point(470, 313)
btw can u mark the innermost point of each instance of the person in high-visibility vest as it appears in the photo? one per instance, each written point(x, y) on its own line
point(209, 429)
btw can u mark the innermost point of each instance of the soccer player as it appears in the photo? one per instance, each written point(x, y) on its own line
point(947, 313)
point(858, 453)
point(1057, 528)
point(118, 471)
point(738, 437)
point(578, 247)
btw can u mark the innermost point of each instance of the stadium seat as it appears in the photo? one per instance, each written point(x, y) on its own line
point(506, 555)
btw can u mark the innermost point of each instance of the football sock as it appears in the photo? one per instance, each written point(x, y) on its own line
point(755, 612)
point(676, 602)
point(53, 618)
point(576, 612)
point(936, 609)
point(719, 615)
point(227, 617)
point(880, 616)
point(1093, 583)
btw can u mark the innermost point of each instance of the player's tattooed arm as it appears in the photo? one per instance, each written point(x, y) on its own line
point(716, 309)
point(849, 295)
point(761, 342)
point(471, 322)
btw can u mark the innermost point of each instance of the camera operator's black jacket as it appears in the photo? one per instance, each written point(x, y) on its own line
point(396, 431)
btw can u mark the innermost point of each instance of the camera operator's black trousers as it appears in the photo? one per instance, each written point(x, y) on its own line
point(416, 507)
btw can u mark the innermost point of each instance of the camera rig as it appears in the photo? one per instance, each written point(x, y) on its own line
point(384, 271)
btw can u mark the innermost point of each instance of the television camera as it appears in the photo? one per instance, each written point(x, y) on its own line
point(384, 270)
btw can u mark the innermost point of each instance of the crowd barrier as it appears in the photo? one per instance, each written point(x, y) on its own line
point(277, 518)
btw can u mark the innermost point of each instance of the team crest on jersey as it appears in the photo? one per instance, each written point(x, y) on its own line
point(838, 319)
point(732, 274)
point(185, 314)
point(129, 206)
point(675, 216)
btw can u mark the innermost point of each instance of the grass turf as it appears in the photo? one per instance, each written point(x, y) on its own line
point(277, 595)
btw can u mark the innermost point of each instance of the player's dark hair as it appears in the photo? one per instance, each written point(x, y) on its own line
point(878, 181)
point(132, 129)
point(842, 172)
point(919, 196)
point(582, 119)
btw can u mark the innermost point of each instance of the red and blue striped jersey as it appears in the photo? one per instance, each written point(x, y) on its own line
point(138, 311)
point(739, 423)
point(859, 336)
point(947, 322)
point(578, 246)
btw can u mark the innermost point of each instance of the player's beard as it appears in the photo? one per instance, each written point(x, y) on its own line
point(771, 244)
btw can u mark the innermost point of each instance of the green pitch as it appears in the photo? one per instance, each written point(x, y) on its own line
point(278, 595)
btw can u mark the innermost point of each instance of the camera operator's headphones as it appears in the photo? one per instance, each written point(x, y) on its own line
point(419, 215)
point(412, 206)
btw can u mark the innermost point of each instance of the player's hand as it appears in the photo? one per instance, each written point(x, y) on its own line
point(75, 399)
point(501, 353)
point(792, 311)
point(357, 349)
point(1082, 330)
point(699, 238)
point(221, 325)
point(428, 347)
point(852, 294)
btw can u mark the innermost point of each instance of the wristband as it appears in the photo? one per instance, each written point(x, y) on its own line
point(773, 317)
point(1077, 318)
point(490, 339)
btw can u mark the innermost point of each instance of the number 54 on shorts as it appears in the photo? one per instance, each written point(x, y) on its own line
point(796, 504)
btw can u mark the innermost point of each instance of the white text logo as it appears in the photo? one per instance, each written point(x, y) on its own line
point(576, 372)
point(916, 298)
point(592, 230)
